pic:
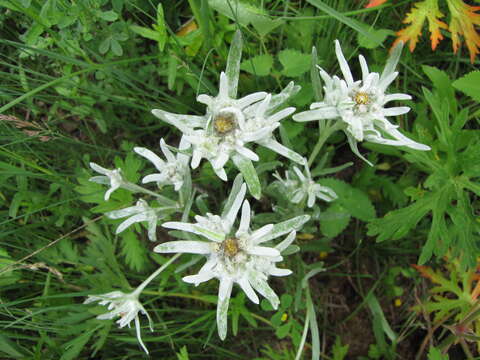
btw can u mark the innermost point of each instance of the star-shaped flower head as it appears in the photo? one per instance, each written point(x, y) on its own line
point(302, 187)
point(126, 306)
point(108, 177)
point(360, 105)
point(172, 171)
point(240, 256)
point(139, 213)
point(230, 124)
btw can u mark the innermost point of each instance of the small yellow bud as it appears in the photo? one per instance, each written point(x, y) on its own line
point(323, 255)
point(397, 302)
point(284, 317)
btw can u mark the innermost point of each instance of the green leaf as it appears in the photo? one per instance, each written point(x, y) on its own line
point(259, 65)
point(234, 190)
point(233, 64)
point(355, 201)
point(107, 15)
point(294, 62)
point(104, 46)
point(134, 251)
point(283, 330)
point(116, 47)
point(249, 174)
point(287, 226)
point(442, 83)
point(396, 224)
point(354, 24)
point(378, 314)
point(265, 25)
point(436, 354)
point(374, 39)
point(76, 345)
point(469, 85)
point(339, 351)
point(161, 28)
point(334, 220)
point(183, 354)
point(10, 348)
point(244, 14)
point(145, 32)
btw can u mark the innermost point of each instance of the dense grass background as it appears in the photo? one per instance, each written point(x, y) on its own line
point(79, 79)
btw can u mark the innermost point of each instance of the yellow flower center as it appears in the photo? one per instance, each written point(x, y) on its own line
point(230, 247)
point(361, 98)
point(224, 122)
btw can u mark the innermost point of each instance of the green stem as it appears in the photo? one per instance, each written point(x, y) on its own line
point(323, 136)
point(138, 188)
point(142, 286)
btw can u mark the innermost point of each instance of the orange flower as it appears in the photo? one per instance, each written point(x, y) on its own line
point(463, 21)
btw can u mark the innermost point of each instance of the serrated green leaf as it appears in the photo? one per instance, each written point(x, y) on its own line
point(294, 62)
point(258, 65)
point(134, 251)
point(75, 346)
point(469, 85)
point(442, 84)
point(334, 220)
point(339, 351)
point(355, 201)
point(396, 224)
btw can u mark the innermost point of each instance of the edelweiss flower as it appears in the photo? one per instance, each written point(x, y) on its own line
point(261, 116)
point(110, 177)
point(172, 171)
point(361, 104)
point(303, 187)
point(124, 305)
point(138, 213)
point(235, 256)
point(230, 124)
